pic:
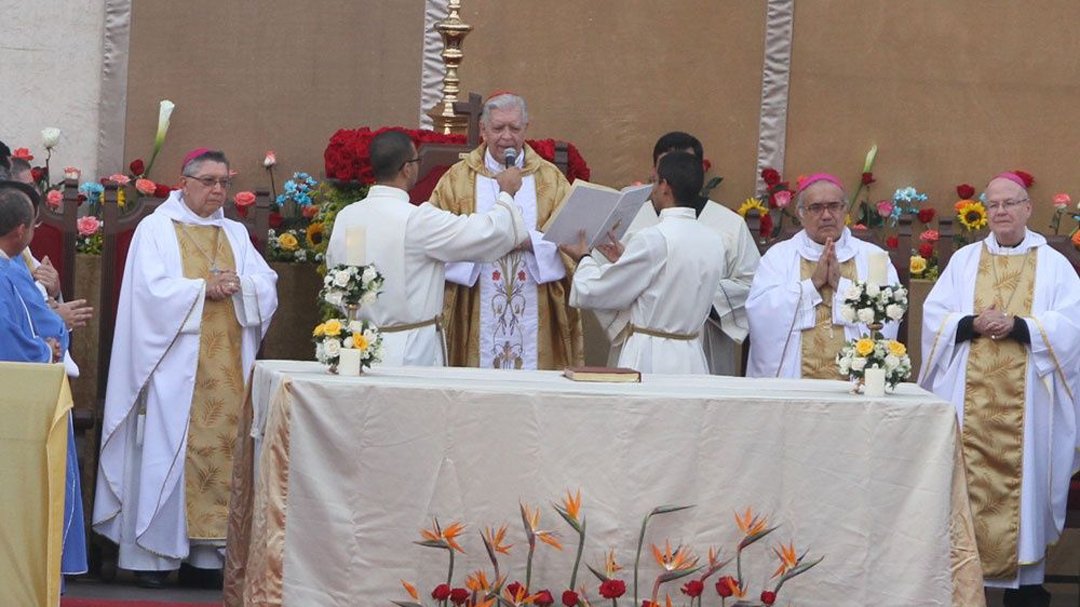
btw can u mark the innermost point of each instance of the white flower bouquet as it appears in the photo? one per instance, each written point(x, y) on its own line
point(336, 334)
point(351, 286)
point(864, 353)
point(873, 304)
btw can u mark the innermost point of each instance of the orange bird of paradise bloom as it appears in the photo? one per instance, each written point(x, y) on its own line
point(678, 560)
point(733, 585)
point(749, 523)
point(494, 538)
point(572, 505)
point(447, 537)
point(788, 558)
point(411, 590)
point(610, 565)
point(521, 598)
point(532, 523)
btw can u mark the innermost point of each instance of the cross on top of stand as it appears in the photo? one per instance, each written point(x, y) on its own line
point(471, 109)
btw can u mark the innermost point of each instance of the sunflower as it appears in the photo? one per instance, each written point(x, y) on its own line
point(972, 215)
point(315, 235)
point(751, 204)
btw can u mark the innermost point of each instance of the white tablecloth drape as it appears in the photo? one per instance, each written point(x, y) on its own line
point(352, 468)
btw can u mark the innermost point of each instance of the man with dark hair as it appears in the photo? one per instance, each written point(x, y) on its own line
point(195, 303)
point(666, 275)
point(410, 245)
point(727, 326)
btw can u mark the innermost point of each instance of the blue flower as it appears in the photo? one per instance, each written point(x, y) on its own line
point(92, 190)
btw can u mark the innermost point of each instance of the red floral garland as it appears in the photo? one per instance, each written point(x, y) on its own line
point(347, 158)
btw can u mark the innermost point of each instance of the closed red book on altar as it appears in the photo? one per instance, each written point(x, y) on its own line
point(603, 374)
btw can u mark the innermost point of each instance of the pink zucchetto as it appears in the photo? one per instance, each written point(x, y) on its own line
point(1020, 178)
point(192, 155)
point(808, 181)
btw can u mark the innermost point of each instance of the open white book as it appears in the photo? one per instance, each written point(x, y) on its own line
point(597, 210)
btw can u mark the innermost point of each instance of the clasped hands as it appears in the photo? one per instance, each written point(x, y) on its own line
point(827, 270)
point(222, 284)
point(994, 323)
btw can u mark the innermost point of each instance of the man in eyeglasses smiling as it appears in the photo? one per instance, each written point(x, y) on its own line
point(1001, 341)
point(794, 305)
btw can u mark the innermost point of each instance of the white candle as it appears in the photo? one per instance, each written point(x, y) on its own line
point(878, 274)
point(873, 381)
point(349, 362)
point(355, 246)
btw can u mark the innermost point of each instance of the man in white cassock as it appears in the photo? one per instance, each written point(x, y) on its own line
point(667, 275)
point(727, 326)
point(410, 245)
point(511, 313)
point(1001, 341)
point(794, 307)
point(195, 303)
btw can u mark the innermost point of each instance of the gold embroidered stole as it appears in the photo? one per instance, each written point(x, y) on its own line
point(823, 341)
point(993, 433)
point(219, 390)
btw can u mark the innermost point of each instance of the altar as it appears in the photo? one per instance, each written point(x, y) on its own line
point(336, 477)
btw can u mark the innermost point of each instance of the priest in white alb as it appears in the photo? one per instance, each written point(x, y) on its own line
point(666, 276)
point(410, 246)
point(1001, 341)
point(195, 303)
point(727, 326)
point(795, 302)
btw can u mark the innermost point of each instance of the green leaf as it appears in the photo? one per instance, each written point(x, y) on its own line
point(599, 576)
point(669, 576)
point(406, 604)
point(668, 509)
point(750, 539)
point(434, 544)
point(566, 517)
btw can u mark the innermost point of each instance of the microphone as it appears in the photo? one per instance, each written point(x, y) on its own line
point(510, 157)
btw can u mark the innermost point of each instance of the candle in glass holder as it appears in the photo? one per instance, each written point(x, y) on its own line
point(355, 246)
point(349, 362)
point(873, 381)
point(878, 273)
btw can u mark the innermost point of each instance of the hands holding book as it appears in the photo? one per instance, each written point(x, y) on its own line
point(612, 249)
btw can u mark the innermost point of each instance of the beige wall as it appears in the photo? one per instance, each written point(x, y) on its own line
point(950, 91)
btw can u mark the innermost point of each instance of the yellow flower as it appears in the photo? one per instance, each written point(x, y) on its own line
point(332, 327)
point(319, 331)
point(359, 342)
point(972, 215)
point(753, 203)
point(896, 348)
point(121, 197)
point(288, 242)
point(864, 346)
point(315, 235)
point(917, 264)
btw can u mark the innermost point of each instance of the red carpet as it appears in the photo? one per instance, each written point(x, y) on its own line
point(73, 602)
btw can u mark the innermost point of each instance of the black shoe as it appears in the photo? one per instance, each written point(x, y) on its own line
point(151, 579)
point(1027, 596)
point(194, 577)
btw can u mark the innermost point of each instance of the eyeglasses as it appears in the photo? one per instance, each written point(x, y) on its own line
point(210, 182)
point(1007, 205)
point(408, 162)
point(818, 208)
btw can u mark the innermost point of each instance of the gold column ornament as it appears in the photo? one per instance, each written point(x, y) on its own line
point(453, 31)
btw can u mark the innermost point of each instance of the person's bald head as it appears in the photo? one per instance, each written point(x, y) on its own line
point(1008, 208)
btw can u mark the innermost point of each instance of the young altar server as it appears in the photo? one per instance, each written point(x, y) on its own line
point(667, 275)
point(410, 246)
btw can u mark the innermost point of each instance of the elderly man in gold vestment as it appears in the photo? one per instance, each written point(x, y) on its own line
point(511, 313)
point(1001, 341)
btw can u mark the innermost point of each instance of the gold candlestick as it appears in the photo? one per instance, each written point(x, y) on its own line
point(453, 31)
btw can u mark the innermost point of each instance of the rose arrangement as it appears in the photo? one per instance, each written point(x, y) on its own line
point(336, 334)
point(351, 286)
point(1062, 202)
point(864, 353)
point(874, 305)
point(680, 563)
point(779, 195)
point(924, 262)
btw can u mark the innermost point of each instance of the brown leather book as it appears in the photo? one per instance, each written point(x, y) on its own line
point(603, 374)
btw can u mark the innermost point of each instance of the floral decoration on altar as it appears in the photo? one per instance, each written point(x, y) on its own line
point(348, 288)
point(874, 305)
point(490, 587)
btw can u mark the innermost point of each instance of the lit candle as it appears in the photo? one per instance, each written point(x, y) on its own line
point(355, 246)
point(878, 274)
point(349, 362)
point(873, 381)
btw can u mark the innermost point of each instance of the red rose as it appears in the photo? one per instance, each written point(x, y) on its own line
point(137, 167)
point(458, 596)
point(612, 589)
point(513, 588)
point(868, 178)
point(926, 249)
point(725, 586)
point(81, 199)
point(275, 220)
point(1026, 178)
point(648, 603)
point(544, 599)
point(771, 176)
point(926, 215)
point(441, 592)
point(965, 191)
point(36, 173)
point(162, 191)
point(766, 226)
point(693, 588)
point(893, 242)
point(768, 597)
point(569, 598)
point(23, 153)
